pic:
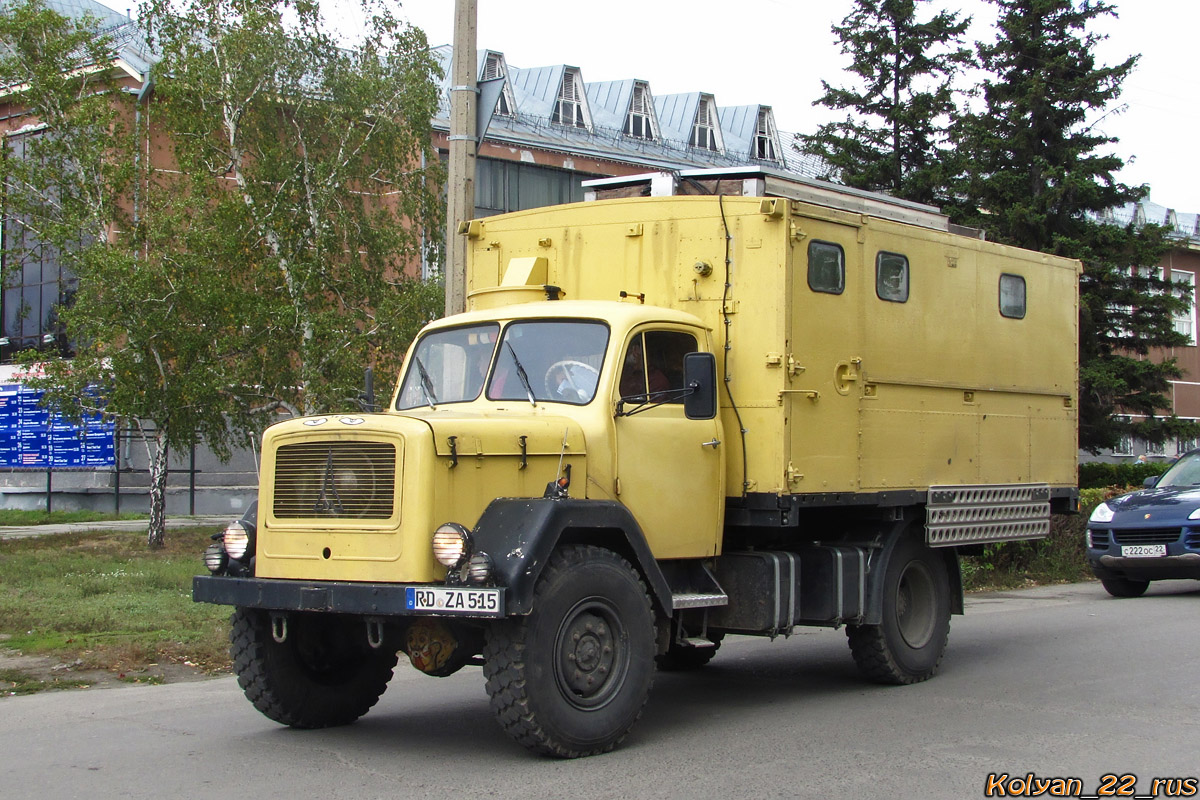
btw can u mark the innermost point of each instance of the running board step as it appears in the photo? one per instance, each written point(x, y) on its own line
point(698, 600)
point(698, 642)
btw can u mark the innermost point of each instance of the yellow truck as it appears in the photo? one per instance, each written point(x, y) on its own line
point(664, 420)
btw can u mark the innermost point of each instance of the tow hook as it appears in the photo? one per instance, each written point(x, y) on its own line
point(279, 628)
point(375, 633)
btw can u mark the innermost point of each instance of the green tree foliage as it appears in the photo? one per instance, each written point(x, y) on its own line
point(65, 190)
point(1034, 171)
point(311, 182)
point(891, 138)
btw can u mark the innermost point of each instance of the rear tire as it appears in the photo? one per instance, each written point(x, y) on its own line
point(571, 678)
point(322, 675)
point(1124, 587)
point(909, 644)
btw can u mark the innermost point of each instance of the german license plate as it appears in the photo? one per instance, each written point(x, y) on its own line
point(439, 600)
point(1143, 550)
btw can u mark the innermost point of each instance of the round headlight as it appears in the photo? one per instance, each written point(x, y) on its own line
point(1103, 513)
point(450, 544)
point(479, 568)
point(215, 558)
point(236, 539)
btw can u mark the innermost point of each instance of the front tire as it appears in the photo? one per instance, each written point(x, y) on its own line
point(909, 644)
point(571, 678)
point(323, 674)
point(1124, 587)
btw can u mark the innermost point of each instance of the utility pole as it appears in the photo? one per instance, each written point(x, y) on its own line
point(460, 193)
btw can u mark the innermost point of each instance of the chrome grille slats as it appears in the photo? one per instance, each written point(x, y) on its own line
point(339, 479)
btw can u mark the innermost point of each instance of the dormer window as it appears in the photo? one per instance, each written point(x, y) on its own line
point(494, 67)
point(639, 122)
point(704, 128)
point(765, 136)
point(568, 109)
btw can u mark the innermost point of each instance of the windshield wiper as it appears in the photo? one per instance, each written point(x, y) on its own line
point(521, 374)
point(426, 383)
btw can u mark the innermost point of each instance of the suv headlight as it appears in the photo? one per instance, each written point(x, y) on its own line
point(1103, 513)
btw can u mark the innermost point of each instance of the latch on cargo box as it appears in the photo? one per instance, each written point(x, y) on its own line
point(846, 373)
point(793, 475)
point(778, 360)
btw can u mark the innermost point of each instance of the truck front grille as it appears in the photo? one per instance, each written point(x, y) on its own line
point(335, 479)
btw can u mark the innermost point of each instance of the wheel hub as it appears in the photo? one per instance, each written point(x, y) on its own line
point(589, 651)
point(916, 605)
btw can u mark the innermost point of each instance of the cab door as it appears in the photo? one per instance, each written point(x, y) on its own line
point(670, 469)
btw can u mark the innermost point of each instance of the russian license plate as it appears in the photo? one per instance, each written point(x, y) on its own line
point(439, 600)
point(1143, 550)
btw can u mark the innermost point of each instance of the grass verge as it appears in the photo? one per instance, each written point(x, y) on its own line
point(10, 517)
point(106, 601)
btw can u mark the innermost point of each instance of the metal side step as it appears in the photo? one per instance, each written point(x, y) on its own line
point(698, 600)
point(698, 642)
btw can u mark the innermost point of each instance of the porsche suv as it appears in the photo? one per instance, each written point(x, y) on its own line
point(1149, 535)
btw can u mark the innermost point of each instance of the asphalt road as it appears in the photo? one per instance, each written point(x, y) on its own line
point(1059, 681)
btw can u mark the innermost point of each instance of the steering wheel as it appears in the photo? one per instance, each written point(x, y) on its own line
point(564, 378)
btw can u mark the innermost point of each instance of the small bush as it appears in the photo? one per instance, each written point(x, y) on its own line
point(1096, 475)
point(1059, 558)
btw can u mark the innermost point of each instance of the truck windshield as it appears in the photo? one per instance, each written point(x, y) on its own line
point(561, 361)
point(448, 366)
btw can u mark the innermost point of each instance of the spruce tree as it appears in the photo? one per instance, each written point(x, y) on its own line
point(891, 138)
point(1036, 172)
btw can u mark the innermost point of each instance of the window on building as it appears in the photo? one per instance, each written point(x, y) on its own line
point(494, 67)
point(891, 277)
point(1124, 446)
point(36, 283)
point(826, 267)
point(568, 109)
point(764, 137)
point(1156, 449)
point(1184, 286)
point(1012, 296)
point(639, 122)
point(704, 127)
point(1184, 446)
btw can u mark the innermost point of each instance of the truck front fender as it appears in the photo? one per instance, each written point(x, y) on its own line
point(520, 534)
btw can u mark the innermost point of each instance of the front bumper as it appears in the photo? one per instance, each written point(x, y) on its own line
point(1170, 567)
point(367, 599)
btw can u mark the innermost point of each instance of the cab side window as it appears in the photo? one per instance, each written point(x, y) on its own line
point(654, 363)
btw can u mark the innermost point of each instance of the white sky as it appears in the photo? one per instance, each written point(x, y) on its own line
point(775, 52)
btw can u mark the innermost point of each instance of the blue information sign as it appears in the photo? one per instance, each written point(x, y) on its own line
point(33, 438)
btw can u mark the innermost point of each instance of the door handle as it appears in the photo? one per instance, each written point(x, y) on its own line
point(713, 444)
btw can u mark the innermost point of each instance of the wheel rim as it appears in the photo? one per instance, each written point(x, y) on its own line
point(916, 602)
point(591, 659)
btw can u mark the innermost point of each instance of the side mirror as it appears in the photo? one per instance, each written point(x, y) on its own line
point(700, 378)
point(1151, 482)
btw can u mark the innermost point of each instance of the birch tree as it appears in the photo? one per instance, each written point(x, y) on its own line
point(313, 164)
point(145, 333)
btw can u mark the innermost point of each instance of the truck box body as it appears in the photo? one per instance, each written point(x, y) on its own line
point(866, 358)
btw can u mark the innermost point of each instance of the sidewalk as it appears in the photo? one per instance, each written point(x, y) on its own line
point(22, 531)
